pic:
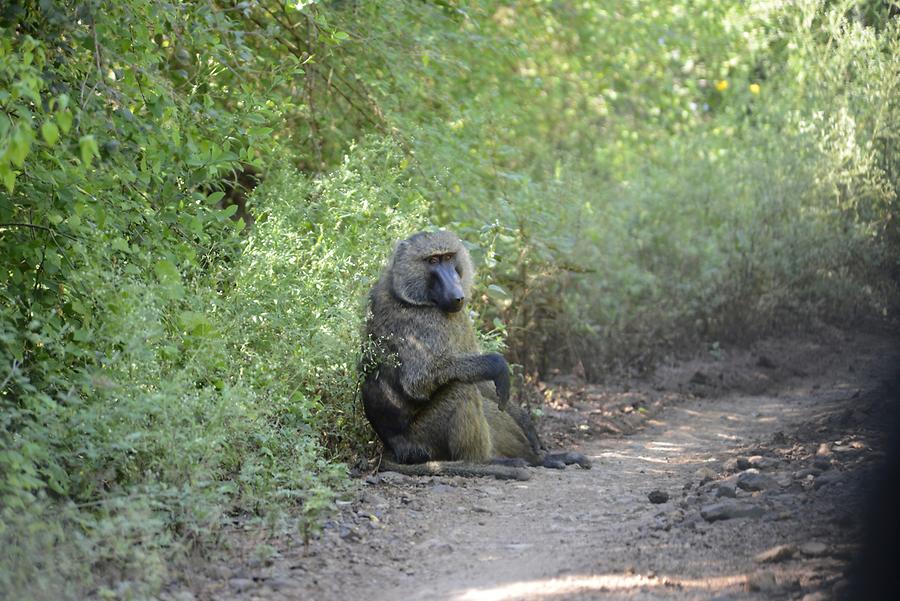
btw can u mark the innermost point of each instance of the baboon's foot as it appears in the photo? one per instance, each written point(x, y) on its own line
point(561, 460)
point(553, 463)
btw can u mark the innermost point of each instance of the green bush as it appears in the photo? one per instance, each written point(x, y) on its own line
point(201, 401)
point(675, 175)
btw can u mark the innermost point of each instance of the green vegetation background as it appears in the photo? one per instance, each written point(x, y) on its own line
point(634, 178)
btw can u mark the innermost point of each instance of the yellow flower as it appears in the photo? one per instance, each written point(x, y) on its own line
point(722, 85)
point(754, 88)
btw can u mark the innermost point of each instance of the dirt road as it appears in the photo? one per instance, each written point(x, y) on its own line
point(744, 452)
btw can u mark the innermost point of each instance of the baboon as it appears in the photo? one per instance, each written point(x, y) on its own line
point(427, 386)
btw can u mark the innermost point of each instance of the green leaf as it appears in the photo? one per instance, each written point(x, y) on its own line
point(20, 146)
point(64, 119)
point(120, 245)
point(50, 132)
point(193, 224)
point(195, 323)
point(498, 293)
point(166, 271)
point(228, 211)
point(9, 178)
point(169, 278)
point(89, 149)
point(57, 479)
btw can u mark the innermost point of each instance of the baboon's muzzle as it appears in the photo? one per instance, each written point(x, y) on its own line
point(446, 288)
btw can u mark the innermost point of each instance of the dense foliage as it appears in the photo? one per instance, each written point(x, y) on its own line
point(634, 177)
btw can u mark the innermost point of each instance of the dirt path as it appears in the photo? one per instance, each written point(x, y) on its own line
point(801, 416)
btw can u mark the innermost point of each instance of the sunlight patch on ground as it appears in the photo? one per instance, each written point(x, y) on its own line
point(615, 455)
point(555, 587)
point(664, 446)
point(673, 457)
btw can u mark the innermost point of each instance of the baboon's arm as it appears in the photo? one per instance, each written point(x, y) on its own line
point(421, 377)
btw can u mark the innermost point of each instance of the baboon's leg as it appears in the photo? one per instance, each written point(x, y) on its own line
point(391, 421)
point(453, 426)
point(522, 417)
point(456, 434)
point(514, 435)
point(469, 432)
point(525, 422)
point(508, 437)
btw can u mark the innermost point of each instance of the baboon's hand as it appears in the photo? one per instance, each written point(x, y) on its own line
point(501, 378)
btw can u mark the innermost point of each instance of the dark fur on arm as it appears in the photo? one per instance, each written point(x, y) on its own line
point(420, 379)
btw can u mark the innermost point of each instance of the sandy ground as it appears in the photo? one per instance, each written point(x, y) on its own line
point(743, 452)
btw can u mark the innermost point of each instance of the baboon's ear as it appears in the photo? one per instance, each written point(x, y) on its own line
point(407, 276)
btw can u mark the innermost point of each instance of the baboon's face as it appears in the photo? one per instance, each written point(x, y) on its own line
point(432, 269)
point(445, 282)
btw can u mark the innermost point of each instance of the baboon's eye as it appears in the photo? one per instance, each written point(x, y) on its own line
point(448, 256)
point(433, 260)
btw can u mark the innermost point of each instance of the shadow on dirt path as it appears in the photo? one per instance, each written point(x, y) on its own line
point(745, 484)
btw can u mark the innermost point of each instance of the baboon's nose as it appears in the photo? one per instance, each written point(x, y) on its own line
point(458, 302)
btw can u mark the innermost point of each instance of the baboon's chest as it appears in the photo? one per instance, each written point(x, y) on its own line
point(461, 333)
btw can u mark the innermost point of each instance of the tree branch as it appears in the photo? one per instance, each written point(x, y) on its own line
point(35, 226)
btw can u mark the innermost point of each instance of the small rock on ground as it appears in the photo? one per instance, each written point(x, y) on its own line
point(825, 479)
point(727, 487)
point(658, 496)
point(814, 549)
point(822, 463)
point(751, 480)
point(762, 463)
point(704, 474)
point(727, 510)
point(808, 471)
point(765, 362)
point(736, 464)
